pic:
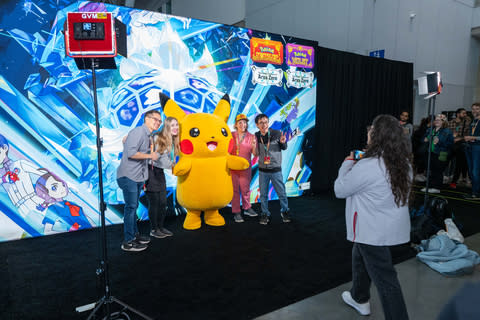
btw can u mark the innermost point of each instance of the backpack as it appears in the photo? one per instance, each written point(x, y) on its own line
point(426, 223)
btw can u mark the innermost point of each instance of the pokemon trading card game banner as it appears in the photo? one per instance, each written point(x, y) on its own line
point(48, 156)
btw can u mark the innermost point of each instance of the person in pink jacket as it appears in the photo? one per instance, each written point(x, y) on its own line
point(244, 145)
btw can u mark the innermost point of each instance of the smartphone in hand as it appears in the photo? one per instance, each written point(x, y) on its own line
point(358, 154)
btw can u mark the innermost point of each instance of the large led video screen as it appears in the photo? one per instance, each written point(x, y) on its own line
point(48, 152)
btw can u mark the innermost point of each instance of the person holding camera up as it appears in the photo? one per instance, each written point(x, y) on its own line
point(377, 189)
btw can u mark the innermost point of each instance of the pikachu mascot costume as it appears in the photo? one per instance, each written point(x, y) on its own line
point(204, 182)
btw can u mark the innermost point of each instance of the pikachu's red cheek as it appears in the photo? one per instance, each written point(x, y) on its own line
point(230, 146)
point(186, 146)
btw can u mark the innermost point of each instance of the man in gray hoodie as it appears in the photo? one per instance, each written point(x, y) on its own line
point(270, 144)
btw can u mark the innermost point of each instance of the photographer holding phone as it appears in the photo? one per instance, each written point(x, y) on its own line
point(376, 189)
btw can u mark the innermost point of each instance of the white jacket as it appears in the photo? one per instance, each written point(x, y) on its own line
point(372, 217)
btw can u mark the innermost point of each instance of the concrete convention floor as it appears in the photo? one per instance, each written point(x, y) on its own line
point(425, 290)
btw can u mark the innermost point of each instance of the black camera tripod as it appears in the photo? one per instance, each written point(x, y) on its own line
point(103, 306)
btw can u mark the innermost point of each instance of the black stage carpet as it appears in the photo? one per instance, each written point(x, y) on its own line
point(239, 271)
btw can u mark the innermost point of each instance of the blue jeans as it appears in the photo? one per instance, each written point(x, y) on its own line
point(131, 194)
point(374, 263)
point(472, 153)
point(264, 179)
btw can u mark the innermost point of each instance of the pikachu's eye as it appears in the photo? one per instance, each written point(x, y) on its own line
point(224, 132)
point(194, 132)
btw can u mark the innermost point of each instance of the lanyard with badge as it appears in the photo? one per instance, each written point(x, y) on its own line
point(474, 127)
point(238, 143)
point(435, 134)
point(152, 143)
point(266, 159)
point(172, 155)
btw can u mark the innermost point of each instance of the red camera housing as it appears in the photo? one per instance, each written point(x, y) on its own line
point(90, 35)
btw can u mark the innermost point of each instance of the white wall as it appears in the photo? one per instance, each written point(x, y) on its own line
point(220, 11)
point(436, 39)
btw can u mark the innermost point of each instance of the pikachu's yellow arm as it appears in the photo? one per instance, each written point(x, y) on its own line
point(236, 163)
point(182, 167)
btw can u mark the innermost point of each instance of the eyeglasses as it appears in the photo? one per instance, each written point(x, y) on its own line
point(262, 122)
point(156, 120)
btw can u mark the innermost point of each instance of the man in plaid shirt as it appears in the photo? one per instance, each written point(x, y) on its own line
point(459, 126)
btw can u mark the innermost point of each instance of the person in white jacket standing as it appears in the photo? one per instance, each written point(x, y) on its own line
point(377, 189)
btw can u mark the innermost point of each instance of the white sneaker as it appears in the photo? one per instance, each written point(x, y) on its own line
point(420, 178)
point(430, 190)
point(452, 231)
point(362, 308)
point(442, 232)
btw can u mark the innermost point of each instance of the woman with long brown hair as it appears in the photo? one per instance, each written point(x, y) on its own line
point(166, 144)
point(377, 189)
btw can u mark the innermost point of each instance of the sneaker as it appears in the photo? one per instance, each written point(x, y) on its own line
point(471, 197)
point(237, 217)
point(167, 232)
point(133, 246)
point(452, 231)
point(142, 239)
point(158, 234)
point(420, 178)
point(285, 216)
point(362, 308)
point(250, 212)
point(264, 219)
point(430, 190)
point(453, 185)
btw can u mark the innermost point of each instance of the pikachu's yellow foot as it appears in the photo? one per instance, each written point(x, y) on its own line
point(192, 221)
point(213, 218)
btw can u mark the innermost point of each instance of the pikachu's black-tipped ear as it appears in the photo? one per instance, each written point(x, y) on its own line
point(163, 99)
point(226, 97)
point(171, 108)
point(223, 108)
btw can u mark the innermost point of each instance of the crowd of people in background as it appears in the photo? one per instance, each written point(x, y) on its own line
point(453, 147)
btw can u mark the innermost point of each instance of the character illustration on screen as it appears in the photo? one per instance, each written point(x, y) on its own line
point(204, 181)
point(61, 215)
point(17, 182)
point(288, 113)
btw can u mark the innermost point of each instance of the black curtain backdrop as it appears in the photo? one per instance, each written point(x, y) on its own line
point(351, 90)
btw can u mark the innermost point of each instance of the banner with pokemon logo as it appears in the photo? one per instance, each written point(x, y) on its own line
point(48, 154)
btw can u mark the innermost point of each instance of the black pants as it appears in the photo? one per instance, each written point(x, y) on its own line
point(374, 263)
point(461, 166)
point(437, 168)
point(157, 210)
point(157, 197)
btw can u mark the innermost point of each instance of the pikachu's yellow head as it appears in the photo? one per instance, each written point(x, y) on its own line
point(202, 135)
